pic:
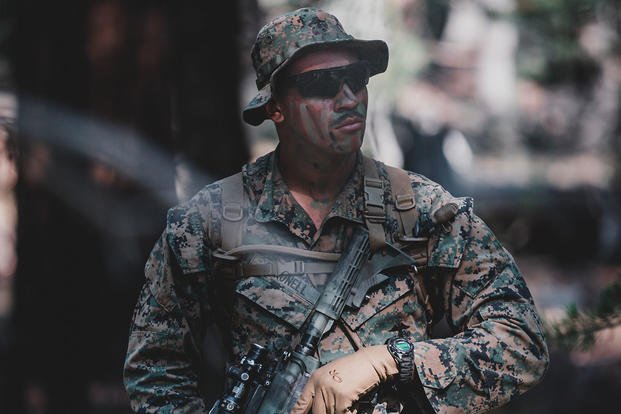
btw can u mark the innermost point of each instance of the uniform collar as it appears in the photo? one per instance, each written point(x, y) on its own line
point(274, 202)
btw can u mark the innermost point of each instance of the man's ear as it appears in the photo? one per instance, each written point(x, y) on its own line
point(274, 112)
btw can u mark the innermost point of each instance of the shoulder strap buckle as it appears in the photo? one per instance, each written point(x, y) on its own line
point(224, 256)
point(232, 211)
point(374, 189)
point(374, 210)
point(404, 202)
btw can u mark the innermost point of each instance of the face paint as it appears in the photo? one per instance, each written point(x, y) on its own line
point(335, 125)
point(339, 132)
point(315, 130)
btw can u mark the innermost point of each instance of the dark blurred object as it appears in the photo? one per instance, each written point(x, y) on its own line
point(563, 224)
point(100, 83)
point(571, 389)
point(205, 91)
point(436, 14)
point(549, 32)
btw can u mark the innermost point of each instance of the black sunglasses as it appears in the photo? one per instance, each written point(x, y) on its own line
point(326, 83)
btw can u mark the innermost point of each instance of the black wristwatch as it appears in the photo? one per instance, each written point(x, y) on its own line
point(402, 351)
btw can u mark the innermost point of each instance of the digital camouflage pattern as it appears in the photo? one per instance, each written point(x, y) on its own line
point(497, 351)
point(290, 34)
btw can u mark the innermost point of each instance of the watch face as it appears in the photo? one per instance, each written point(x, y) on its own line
point(402, 345)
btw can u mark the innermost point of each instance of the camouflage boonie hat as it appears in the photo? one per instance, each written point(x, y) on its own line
point(286, 36)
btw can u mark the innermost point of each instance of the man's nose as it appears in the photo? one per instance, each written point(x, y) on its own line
point(346, 98)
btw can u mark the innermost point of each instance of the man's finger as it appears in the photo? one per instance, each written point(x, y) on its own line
point(321, 405)
point(304, 403)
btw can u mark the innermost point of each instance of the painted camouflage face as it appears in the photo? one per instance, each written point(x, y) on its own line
point(497, 351)
point(287, 36)
point(316, 123)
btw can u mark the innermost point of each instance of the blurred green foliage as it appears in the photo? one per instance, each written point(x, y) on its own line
point(578, 328)
point(550, 50)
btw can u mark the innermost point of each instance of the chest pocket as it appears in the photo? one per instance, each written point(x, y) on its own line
point(389, 307)
point(267, 293)
point(263, 313)
point(278, 286)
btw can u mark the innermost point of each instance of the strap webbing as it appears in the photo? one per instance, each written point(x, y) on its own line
point(404, 200)
point(234, 203)
point(374, 210)
point(293, 251)
point(233, 198)
point(293, 267)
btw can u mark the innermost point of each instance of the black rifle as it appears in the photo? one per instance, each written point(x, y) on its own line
point(274, 388)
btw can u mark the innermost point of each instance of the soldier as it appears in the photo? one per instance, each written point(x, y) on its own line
point(251, 253)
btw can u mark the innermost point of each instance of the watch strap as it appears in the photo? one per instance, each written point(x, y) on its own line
point(404, 360)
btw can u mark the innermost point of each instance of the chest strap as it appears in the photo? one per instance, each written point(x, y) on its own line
point(275, 268)
point(293, 251)
point(229, 262)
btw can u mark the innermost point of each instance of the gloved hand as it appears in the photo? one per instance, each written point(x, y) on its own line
point(336, 386)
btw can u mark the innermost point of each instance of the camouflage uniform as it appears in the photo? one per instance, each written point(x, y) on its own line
point(496, 353)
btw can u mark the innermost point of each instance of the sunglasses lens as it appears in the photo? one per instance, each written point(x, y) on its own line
point(318, 84)
point(357, 78)
point(326, 83)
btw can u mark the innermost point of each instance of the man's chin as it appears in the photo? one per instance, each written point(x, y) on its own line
point(349, 145)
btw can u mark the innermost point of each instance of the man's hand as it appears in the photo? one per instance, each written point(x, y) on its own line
point(336, 386)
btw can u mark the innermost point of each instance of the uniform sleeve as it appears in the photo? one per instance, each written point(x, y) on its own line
point(161, 366)
point(499, 350)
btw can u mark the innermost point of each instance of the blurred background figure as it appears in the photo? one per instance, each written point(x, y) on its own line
point(430, 142)
point(8, 179)
point(113, 111)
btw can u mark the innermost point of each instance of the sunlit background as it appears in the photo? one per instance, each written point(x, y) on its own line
point(113, 111)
